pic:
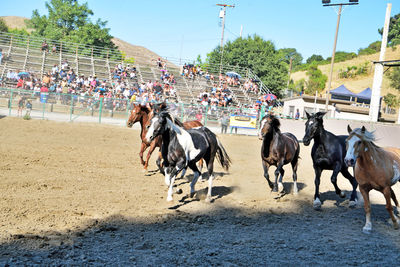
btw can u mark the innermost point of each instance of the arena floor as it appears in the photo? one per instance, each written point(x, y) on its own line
point(74, 193)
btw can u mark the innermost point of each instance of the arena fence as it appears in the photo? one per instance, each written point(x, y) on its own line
point(70, 107)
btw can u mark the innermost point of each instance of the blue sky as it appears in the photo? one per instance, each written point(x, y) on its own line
point(186, 29)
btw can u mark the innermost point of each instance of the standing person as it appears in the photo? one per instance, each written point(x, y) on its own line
point(224, 122)
point(20, 105)
point(1, 55)
point(297, 116)
point(28, 107)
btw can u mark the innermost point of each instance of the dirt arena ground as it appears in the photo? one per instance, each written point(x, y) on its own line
point(75, 194)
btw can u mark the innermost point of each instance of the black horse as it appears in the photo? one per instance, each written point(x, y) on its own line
point(183, 148)
point(327, 153)
point(278, 149)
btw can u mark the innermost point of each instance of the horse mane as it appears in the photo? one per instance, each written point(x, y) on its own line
point(275, 123)
point(368, 138)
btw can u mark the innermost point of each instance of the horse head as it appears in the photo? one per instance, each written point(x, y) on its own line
point(157, 125)
point(357, 142)
point(137, 114)
point(313, 124)
point(269, 123)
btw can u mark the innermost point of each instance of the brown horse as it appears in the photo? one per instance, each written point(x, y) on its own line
point(375, 168)
point(278, 149)
point(143, 114)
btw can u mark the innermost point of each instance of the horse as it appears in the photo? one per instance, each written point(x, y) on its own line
point(278, 149)
point(327, 153)
point(374, 168)
point(182, 148)
point(142, 114)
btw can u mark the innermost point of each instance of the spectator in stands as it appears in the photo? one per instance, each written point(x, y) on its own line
point(54, 49)
point(45, 46)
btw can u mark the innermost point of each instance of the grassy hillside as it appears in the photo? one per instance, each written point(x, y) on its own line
point(358, 83)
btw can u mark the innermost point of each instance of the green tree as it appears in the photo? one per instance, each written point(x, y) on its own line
point(69, 21)
point(3, 26)
point(315, 58)
point(316, 80)
point(288, 53)
point(371, 49)
point(257, 54)
point(342, 56)
point(394, 31)
point(395, 78)
point(391, 100)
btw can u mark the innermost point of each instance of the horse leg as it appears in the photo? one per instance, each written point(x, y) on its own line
point(282, 172)
point(266, 175)
point(201, 163)
point(183, 173)
point(389, 207)
point(196, 174)
point(159, 164)
point(367, 207)
point(143, 148)
point(210, 168)
point(396, 203)
point(353, 181)
point(172, 175)
point(295, 163)
point(152, 147)
point(317, 180)
point(335, 173)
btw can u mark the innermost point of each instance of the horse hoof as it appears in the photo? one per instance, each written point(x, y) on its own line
point(342, 195)
point(317, 204)
point(366, 230)
point(170, 198)
point(208, 199)
point(352, 203)
point(191, 195)
point(295, 191)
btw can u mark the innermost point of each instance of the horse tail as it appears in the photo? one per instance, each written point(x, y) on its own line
point(222, 156)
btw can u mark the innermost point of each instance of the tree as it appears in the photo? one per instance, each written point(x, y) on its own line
point(394, 31)
point(314, 58)
point(3, 26)
point(316, 81)
point(395, 78)
point(69, 21)
point(288, 53)
point(371, 49)
point(391, 100)
point(257, 54)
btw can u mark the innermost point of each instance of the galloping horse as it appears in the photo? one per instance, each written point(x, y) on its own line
point(327, 153)
point(143, 114)
point(375, 168)
point(183, 148)
point(278, 149)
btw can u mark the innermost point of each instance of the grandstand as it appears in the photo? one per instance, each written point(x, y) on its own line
point(25, 53)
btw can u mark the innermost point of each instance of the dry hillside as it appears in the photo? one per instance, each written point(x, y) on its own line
point(358, 83)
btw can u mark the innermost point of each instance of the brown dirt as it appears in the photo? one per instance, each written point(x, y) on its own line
point(76, 194)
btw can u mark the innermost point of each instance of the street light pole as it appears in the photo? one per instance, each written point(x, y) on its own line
point(327, 3)
point(333, 59)
point(222, 34)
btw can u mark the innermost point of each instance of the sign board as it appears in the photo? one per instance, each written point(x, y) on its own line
point(243, 121)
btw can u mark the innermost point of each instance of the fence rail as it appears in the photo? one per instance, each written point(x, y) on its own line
point(70, 107)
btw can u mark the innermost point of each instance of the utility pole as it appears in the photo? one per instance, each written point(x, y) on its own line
point(327, 3)
point(222, 15)
point(378, 74)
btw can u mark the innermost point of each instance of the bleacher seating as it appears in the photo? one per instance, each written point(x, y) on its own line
point(24, 53)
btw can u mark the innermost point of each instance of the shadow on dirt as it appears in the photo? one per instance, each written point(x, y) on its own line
point(215, 236)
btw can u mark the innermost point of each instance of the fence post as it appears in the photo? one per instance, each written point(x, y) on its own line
point(10, 103)
point(100, 108)
point(71, 108)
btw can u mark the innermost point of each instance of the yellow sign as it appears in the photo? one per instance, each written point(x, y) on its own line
point(243, 121)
